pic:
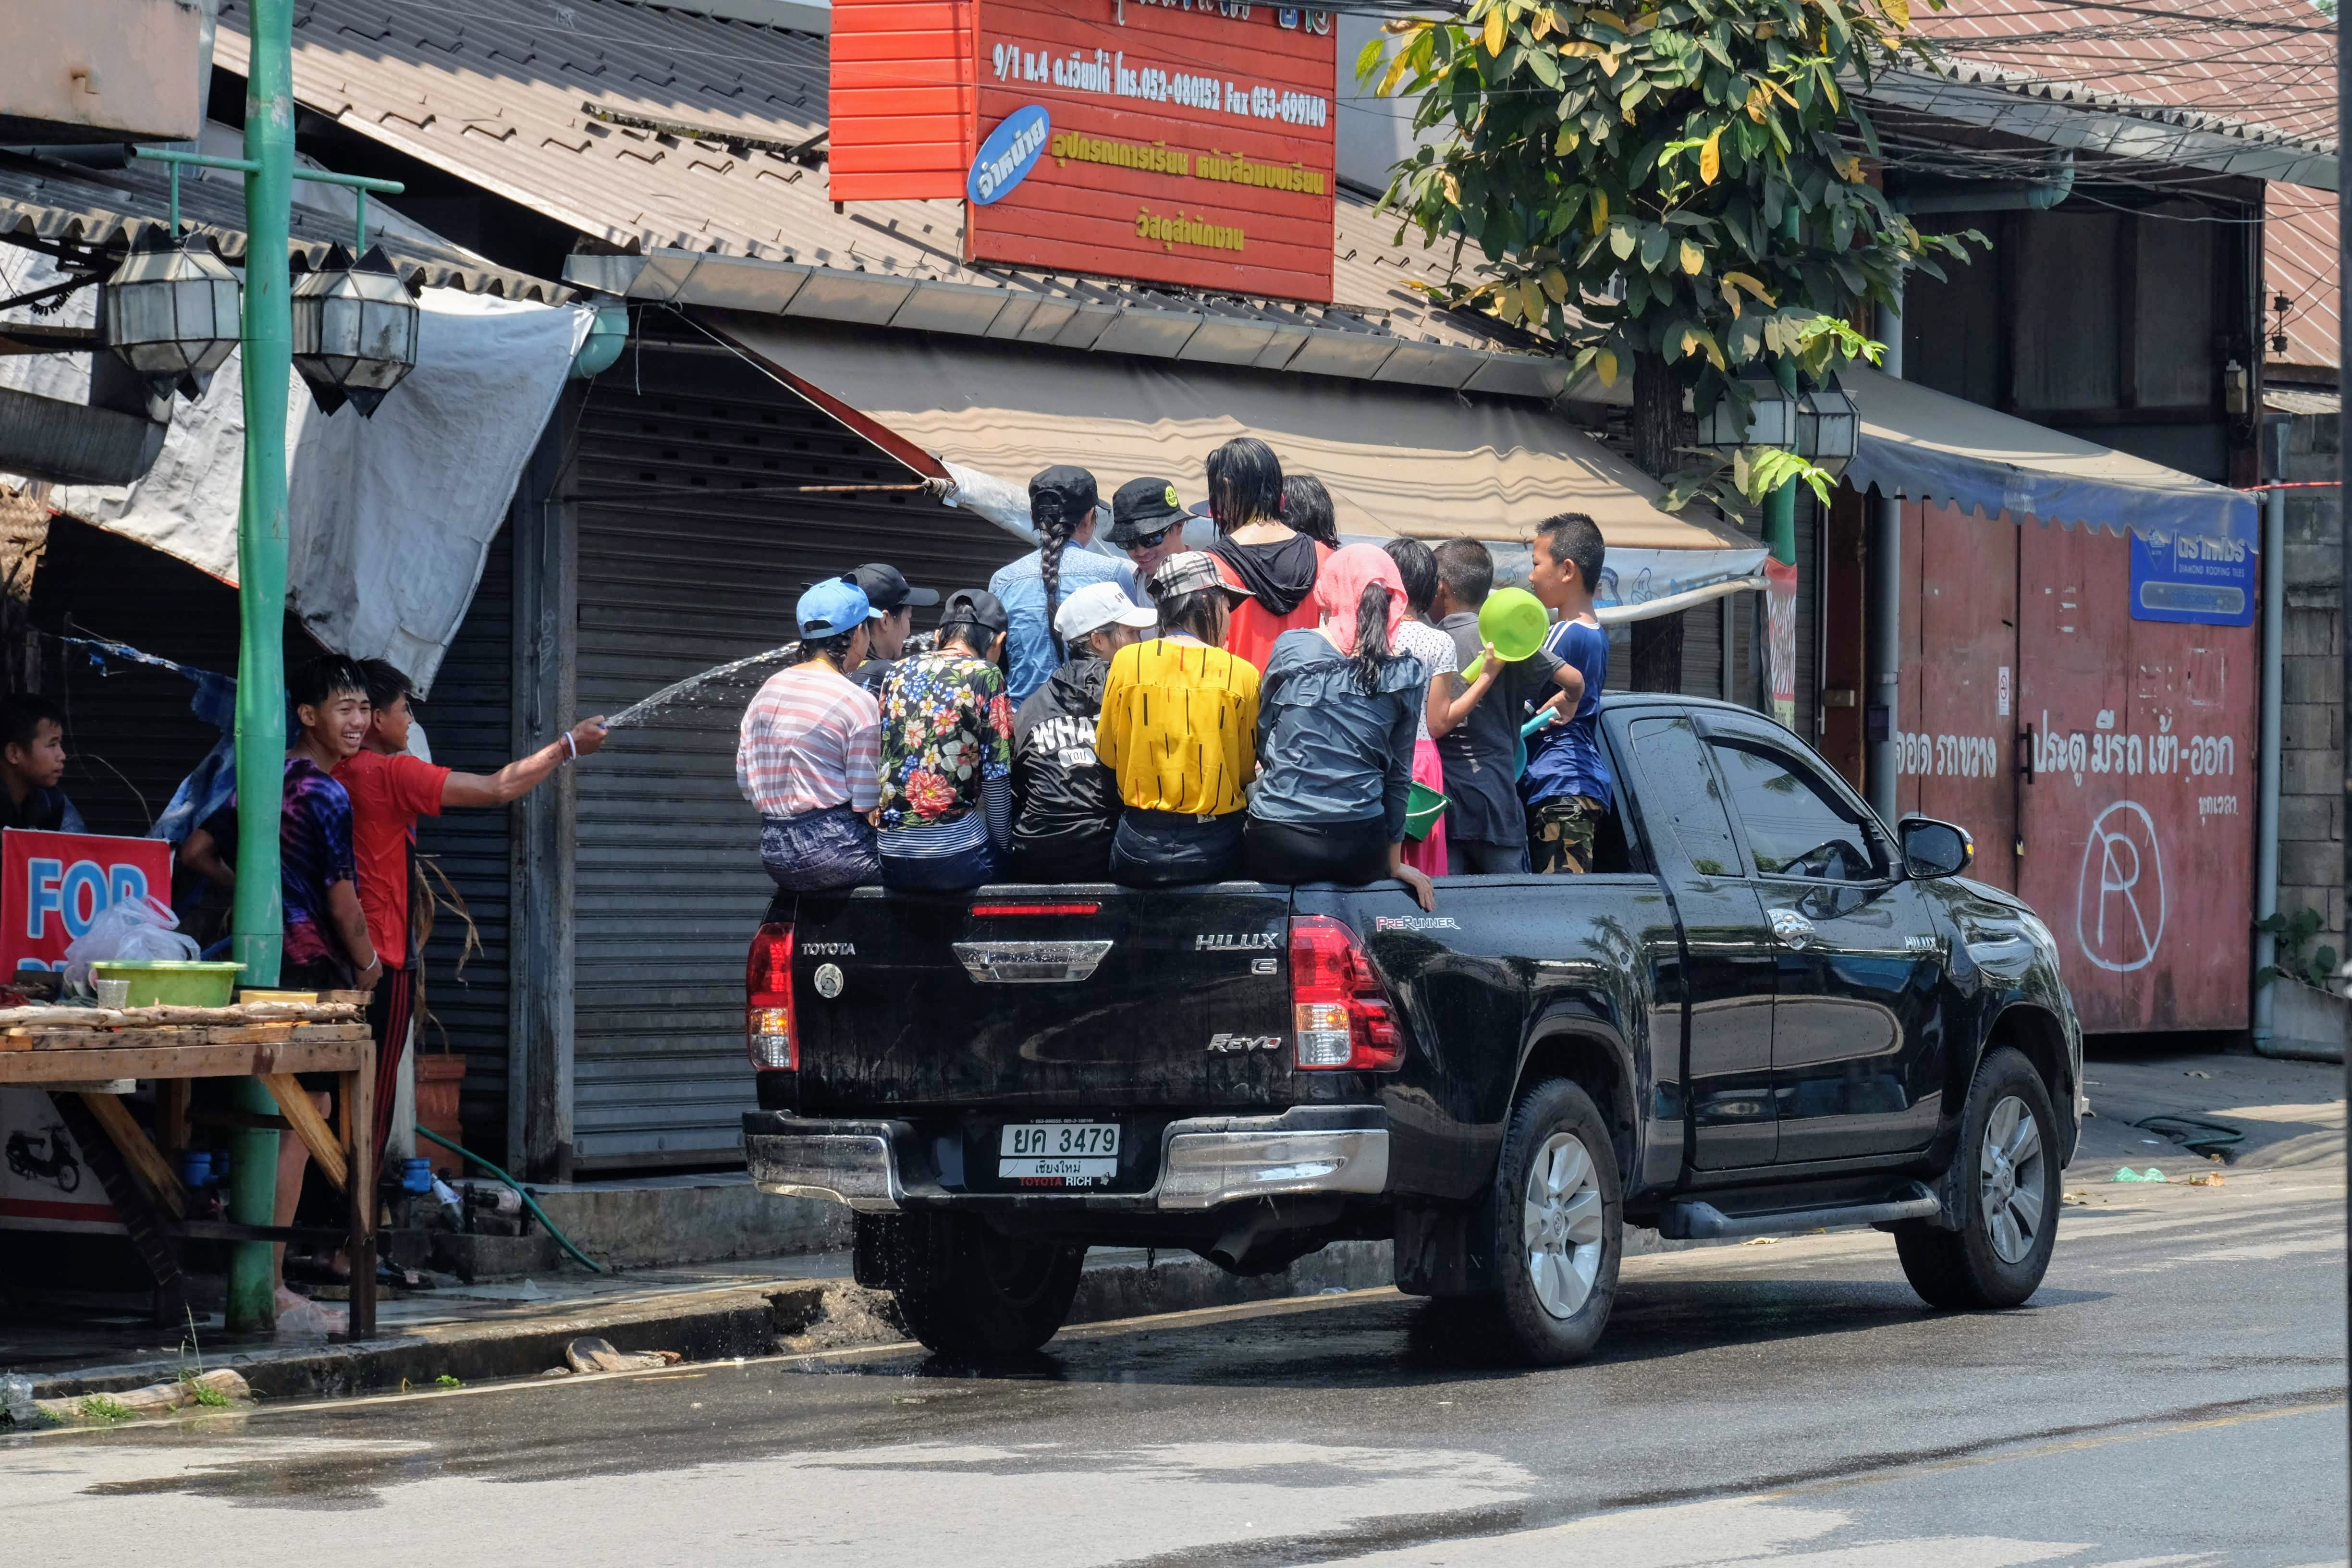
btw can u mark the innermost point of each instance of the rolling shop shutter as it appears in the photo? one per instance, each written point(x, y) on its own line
point(691, 554)
point(468, 723)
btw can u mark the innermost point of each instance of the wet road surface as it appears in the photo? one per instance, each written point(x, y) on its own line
point(2175, 1395)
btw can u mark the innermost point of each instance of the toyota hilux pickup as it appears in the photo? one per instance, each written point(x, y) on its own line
point(1763, 1012)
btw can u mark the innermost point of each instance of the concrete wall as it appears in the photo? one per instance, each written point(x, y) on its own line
point(2311, 803)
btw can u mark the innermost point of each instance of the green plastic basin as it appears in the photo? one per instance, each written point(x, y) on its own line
point(172, 982)
point(1422, 807)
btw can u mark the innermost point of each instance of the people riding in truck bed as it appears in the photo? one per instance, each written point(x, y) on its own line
point(1066, 803)
point(1257, 551)
point(1566, 788)
point(1486, 826)
point(1177, 728)
point(946, 814)
point(1340, 711)
point(1062, 505)
point(894, 602)
point(811, 747)
point(1417, 569)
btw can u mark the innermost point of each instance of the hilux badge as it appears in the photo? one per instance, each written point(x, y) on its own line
point(828, 981)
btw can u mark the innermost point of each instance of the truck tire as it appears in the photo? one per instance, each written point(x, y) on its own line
point(964, 1288)
point(2006, 1188)
point(1558, 1213)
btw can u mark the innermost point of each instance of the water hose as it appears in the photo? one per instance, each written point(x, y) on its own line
point(529, 1202)
point(2197, 1137)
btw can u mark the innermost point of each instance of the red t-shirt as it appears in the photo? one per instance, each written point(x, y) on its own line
point(388, 795)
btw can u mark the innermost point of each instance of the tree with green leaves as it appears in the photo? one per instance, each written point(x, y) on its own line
point(1664, 187)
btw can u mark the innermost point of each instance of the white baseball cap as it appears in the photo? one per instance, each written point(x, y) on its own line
point(1097, 605)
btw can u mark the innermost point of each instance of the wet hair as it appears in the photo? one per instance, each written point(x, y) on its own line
point(970, 635)
point(1371, 656)
point(1468, 569)
point(1416, 563)
point(1572, 536)
point(328, 676)
point(21, 717)
point(1245, 483)
point(835, 647)
point(1195, 613)
point(387, 683)
point(1048, 510)
point(1307, 507)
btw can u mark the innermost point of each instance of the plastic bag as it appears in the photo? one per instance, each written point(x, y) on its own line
point(128, 928)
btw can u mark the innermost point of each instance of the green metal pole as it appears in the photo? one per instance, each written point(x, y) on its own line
point(268, 354)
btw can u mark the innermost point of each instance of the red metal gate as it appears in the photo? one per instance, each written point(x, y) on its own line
point(2138, 816)
point(1959, 659)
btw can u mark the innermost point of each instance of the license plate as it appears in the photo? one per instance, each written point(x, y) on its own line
point(1066, 1151)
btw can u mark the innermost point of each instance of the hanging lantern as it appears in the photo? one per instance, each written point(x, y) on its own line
point(1829, 427)
point(1770, 419)
point(172, 313)
point(354, 330)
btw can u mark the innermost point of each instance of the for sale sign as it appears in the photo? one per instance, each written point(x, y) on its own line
point(53, 885)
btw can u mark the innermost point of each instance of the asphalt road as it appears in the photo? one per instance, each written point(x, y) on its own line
point(2175, 1395)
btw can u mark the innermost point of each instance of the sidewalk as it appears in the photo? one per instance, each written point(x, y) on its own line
point(2292, 1115)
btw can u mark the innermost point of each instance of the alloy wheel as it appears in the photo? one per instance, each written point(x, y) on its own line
point(2014, 1175)
point(1562, 1224)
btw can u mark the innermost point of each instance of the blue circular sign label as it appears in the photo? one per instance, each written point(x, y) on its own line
point(1008, 154)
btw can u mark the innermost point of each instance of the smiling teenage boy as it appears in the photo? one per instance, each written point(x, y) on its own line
point(1566, 787)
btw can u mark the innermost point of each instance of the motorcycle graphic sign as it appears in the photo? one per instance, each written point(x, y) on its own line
point(44, 1184)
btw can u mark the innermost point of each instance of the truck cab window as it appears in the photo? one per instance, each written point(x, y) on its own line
point(1679, 794)
point(1797, 826)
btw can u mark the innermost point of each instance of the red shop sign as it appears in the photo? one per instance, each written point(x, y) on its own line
point(1190, 142)
point(52, 885)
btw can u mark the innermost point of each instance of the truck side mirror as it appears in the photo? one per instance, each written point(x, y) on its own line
point(1933, 848)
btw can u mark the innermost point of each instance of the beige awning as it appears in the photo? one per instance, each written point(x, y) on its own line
point(1397, 460)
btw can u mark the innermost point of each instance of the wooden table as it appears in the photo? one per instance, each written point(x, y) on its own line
point(71, 1060)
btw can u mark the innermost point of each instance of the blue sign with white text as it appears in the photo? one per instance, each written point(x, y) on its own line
point(1010, 152)
point(2192, 577)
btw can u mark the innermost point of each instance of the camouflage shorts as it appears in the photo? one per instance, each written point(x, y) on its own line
point(1560, 833)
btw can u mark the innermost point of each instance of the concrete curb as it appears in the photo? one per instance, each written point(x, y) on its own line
point(717, 1324)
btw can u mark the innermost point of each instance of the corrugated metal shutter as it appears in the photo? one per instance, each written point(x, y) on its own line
point(691, 554)
point(1703, 651)
point(467, 723)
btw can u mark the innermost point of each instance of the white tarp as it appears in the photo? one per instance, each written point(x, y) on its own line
point(390, 518)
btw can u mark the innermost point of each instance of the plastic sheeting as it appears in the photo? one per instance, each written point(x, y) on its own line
point(1922, 445)
point(391, 518)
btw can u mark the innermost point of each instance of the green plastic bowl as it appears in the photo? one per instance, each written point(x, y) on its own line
point(1422, 807)
point(1515, 622)
point(172, 982)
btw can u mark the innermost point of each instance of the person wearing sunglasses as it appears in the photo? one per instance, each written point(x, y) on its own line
point(1147, 524)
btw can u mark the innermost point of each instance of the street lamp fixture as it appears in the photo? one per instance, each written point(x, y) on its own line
point(172, 313)
point(354, 330)
point(1770, 419)
point(1829, 427)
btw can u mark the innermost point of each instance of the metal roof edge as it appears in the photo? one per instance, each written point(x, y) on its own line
point(2043, 111)
point(967, 309)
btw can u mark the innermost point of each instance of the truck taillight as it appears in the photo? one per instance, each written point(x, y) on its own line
point(1339, 1010)
point(768, 1038)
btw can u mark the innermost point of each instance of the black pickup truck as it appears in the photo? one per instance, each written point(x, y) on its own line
point(1763, 1012)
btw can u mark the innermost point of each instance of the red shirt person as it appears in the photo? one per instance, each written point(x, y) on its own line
point(390, 789)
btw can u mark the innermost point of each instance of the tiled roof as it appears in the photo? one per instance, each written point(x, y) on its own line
point(67, 204)
point(534, 100)
point(2260, 71)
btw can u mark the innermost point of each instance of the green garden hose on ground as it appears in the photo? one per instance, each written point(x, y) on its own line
point(529, 1202)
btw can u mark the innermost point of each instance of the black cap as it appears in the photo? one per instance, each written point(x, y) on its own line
point(1142, 507)
point(976, 606)
point(887, 590)
point(1073, 485)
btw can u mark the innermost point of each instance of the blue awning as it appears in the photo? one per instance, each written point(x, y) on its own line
point(1921, 445)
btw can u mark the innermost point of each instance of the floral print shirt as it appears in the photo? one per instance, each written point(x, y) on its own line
point(947, 729)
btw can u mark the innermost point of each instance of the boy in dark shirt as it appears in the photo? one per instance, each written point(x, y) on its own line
point(1566, 787)
point(33, 765)
point(1485, 828)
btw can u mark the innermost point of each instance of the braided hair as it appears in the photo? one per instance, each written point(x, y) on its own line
point(1061, 501)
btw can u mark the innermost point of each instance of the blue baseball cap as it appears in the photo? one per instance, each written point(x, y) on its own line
point(832, 607)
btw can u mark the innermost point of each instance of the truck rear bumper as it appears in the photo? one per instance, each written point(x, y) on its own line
point(1204, 1161)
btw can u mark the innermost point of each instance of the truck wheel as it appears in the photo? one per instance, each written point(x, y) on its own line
point(965, 1290)
point(1559, 1230)
point(2007, 1186)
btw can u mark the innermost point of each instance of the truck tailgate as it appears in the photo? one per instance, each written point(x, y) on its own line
point(1073, 997)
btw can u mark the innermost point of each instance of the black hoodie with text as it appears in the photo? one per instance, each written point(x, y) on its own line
point(1065, 802)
